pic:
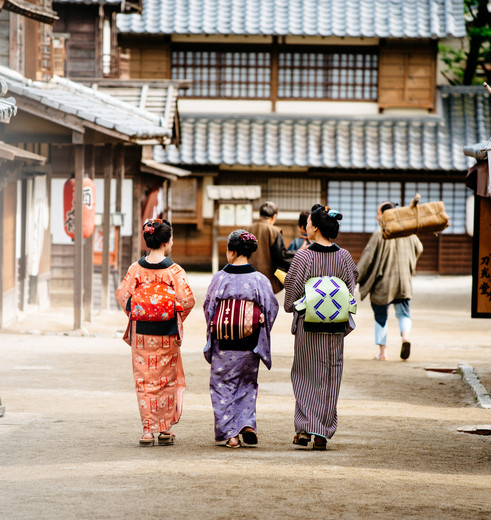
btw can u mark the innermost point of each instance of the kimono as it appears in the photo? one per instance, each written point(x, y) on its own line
point(233, 373)
point(156, 356)
point(318, 356)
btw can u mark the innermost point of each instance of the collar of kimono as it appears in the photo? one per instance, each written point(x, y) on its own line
point(166, 262)
point(239, 269)
point(324, 249)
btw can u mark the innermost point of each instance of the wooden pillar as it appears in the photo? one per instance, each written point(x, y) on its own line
point(23, 248)
point(136, 225)
point(214, 251)
point(106, 226)
point(89, 244)
point(120, 170)
point(79, 239)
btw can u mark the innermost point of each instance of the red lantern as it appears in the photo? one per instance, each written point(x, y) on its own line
point(88, 207)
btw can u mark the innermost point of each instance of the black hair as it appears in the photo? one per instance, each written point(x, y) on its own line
point(302, 219)
point(242, 242)
point(268, 209)
point(156, 232)
point(387, 205)
point(326, 220)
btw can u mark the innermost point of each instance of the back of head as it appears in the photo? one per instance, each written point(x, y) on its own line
point(326, 220)
point(242, 242)
point(268, 210)
point(302, 219)
point(156, 232)
point(386, 205)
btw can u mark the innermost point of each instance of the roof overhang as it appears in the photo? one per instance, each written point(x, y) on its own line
point(24, 8)
point(171, 173)
point(13, 153)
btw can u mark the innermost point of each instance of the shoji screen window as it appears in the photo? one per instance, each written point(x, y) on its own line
point(375, 194)
point(358, 202)
point(453, 195)
point(347, 197)
point(294, 194)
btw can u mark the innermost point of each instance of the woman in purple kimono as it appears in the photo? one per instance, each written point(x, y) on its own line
point(318, 354)
point(235, 362)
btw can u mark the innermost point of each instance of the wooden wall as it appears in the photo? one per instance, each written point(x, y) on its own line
point(4, 38)
point(9, 227)
point(81, 22)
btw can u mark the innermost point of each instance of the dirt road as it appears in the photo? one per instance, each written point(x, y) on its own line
point(68, 442)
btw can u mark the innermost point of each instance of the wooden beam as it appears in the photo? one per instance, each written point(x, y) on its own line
point(120, 171)
point(106, 226)
point(214, 245)
point(89, 244)
point(23, 248)
point(136, 226)
point(78, 265)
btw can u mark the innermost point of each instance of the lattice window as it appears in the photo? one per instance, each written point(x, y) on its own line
point(219, 74)
point(294, 193)
point(332, 75)
point(358, 202)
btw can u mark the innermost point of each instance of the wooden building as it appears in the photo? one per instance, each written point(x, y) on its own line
point(65, 129)
point(333, 103)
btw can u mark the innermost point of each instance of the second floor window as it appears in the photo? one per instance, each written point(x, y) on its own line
point(327, 75)
point(224, 74)
point(306, 73)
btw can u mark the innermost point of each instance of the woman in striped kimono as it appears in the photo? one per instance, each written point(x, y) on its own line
point(235, 361)
point(318, 356)
point(156, 345)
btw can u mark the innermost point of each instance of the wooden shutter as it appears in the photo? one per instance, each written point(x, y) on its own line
point(148, 63)
point(407, 78)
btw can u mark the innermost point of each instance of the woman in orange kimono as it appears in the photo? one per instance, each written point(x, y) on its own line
point(155, 345)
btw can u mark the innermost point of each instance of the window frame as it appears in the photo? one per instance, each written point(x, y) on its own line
point(276, 51)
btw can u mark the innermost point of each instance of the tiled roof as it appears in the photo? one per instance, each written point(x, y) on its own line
point(158, 97)
point(430, 143)
point(356, 18)
point(89, 106)
point(7, 105)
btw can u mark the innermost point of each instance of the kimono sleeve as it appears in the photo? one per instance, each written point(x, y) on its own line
point(127, 286)
point(183, 291)
point(295, 279)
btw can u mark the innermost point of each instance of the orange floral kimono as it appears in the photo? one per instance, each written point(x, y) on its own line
point(157, 361)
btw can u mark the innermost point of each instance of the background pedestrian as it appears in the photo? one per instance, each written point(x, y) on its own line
point(271, 252)
point(386, 268)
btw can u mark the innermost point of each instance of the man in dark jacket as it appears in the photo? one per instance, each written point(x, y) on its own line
point(271, 252)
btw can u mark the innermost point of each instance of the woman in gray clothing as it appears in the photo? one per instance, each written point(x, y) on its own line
point(318, 356)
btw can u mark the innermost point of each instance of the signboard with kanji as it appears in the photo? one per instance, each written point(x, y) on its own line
point(481, 259)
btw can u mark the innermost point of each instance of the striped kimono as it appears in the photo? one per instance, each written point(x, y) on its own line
point(318, 356)
point(156, 356)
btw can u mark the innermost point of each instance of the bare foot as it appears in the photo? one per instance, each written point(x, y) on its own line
point(380, 357)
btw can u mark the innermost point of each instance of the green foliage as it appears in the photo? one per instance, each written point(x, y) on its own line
point(470, 65)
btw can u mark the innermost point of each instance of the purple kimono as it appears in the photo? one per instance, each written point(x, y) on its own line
point(233, 375)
